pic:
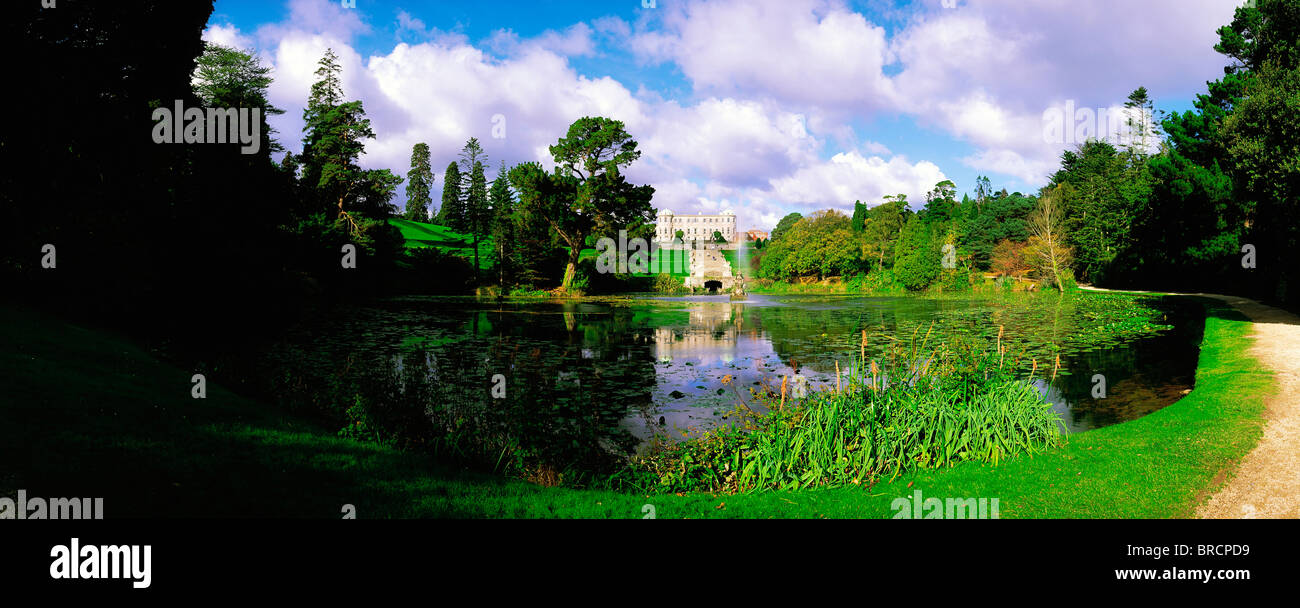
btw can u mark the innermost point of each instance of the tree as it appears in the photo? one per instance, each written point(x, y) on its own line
point(881, 229)
point(1009, 258)
point(1139, 112)
point(596, 197)
point(718, 238)
point(1098, 211)
point(418, 181)
point(478, 215)
point(1263, 148)
point(502, 225)
point(917, 254)
point(1050, 255)
point(335, 131)
point(859, 216)
point(820, 245)
point(785, 224)
point(451, 214)
point(475, 213)
point(983, 190)
point(225, 77)
point(940, 203)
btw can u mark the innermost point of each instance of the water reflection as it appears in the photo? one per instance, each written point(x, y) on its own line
point(635, 372)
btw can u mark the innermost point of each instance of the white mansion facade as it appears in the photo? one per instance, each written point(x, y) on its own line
point(695, 227)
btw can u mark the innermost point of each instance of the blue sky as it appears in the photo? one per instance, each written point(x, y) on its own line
point(758, 106)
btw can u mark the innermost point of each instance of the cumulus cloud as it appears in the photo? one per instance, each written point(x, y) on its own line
point(227, 35)
point(847, 177)
point(802, 51)
point(776, 88)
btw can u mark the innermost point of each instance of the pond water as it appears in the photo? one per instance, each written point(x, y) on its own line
point(647, 369)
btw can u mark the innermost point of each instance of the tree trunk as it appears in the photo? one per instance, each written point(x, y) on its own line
point(571, 269)
point(477, 279)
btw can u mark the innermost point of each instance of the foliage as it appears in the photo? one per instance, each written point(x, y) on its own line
point(418, 182)
point(917, 258)
point(881, 228)
point(452, 211)
point(587, 192)
point(820, 246)
point(1009, 259)
point(225, 77)
point(1048, 254)
point(785, 224)
point(1097, 211)
point(918, 406)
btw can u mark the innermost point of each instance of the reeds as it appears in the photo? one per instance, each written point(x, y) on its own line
point(920, 406)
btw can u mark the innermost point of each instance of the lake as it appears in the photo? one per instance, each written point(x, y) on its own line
point(631, 372)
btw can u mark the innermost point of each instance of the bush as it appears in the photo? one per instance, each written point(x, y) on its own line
point(667, 283)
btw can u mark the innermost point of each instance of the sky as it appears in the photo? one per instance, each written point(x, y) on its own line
point(761, 107)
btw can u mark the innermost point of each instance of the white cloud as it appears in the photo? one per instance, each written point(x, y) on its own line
point(777, 86)
point(803, 51)
point(227, 35)
point(848, 177)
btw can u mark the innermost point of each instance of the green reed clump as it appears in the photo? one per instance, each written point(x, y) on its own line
point(918, 406)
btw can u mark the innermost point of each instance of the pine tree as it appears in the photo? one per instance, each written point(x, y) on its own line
point(474, 195)
point(502, 225)
point(477, 213)
point(418, 181)
point(450, 213)
point(335, 131)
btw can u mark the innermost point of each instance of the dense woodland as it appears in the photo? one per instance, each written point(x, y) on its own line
point(1225, 182)
point(153, 236)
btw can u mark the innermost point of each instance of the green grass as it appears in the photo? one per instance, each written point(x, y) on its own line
point(86, 413)
point(675, 262)
point(420, 234)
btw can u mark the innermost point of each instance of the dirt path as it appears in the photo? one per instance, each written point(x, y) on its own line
point(1267, 482)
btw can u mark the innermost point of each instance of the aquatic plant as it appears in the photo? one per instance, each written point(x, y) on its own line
point(920, 405)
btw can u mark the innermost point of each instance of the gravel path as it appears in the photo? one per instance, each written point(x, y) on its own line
point(1267, 483)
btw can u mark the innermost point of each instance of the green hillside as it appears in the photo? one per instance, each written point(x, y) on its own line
point(420, 234)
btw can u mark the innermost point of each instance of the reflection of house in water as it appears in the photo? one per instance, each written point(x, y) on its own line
point(711, 335)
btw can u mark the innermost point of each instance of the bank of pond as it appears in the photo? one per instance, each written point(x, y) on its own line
point(721, 394)
point(611, 408)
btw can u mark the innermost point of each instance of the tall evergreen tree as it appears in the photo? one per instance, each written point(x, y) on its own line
point(502, 225)
point(859, 216)
point(450, 214)
point(478, 215)
point(418, 181)
point(335, 132)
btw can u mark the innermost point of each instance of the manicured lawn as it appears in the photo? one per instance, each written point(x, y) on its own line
point(419, 234)
point(676, 262)
point(86, 413)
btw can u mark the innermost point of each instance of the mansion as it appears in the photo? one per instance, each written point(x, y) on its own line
point(695, 227)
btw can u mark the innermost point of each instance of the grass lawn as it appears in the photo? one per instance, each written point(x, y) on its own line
point(87, 413)
point(419, 234)
point(676, 262)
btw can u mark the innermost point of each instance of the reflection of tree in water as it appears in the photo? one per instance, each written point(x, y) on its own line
point(571, 377)
point(1140, 377)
